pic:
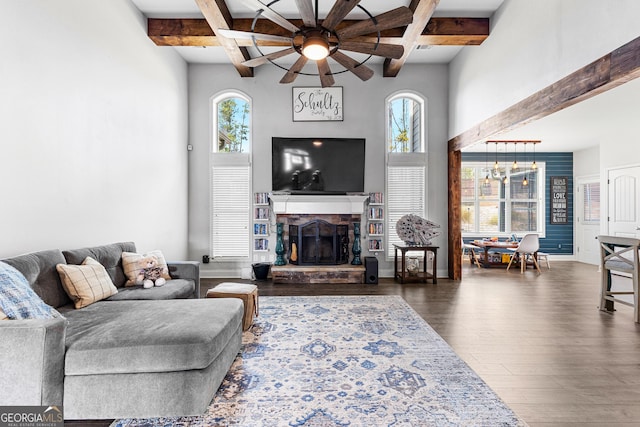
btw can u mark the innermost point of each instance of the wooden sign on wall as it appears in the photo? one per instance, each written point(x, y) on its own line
point(559, 199)
point(313, 104)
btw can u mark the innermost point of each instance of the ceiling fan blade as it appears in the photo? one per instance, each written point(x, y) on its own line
point(306, 12)
point(265, 58)
point(326, 77)
point(394, 51)
point(234, 34)
point(392, 19)
point(270, 14)
point(337, 13)
point(293, 72)
point(360, 70)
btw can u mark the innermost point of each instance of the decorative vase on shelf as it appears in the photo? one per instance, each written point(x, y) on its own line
point(356, 249)
point(279, 245)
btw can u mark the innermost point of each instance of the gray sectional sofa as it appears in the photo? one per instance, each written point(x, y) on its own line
point(140, 353)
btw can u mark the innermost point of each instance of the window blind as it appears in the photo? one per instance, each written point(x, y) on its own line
point(230, 211)
point(405, 195)
point(591, 202)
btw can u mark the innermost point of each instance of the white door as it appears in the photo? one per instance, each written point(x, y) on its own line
point(624, 202)
point(588, 219)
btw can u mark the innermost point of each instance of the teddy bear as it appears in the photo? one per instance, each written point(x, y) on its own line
point(150, 273)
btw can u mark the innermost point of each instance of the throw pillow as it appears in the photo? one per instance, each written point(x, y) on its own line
point(132, 266)
point(3, 316)
point(86, 283)
point(17, 300)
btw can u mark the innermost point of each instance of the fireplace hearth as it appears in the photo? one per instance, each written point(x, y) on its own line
point(318, 242)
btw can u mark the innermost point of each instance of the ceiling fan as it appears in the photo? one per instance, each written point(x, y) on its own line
point(318, 39)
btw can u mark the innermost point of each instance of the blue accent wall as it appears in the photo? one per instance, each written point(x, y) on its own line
point(558, 237)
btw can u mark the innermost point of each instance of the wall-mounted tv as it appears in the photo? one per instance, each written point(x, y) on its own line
point(318, 165)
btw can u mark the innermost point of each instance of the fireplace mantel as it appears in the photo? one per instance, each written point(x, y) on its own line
point(319, 205)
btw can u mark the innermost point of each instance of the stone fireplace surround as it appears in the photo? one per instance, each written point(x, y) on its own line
point(300, 209)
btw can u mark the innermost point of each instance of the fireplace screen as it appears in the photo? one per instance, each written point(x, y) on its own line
point(318, 242)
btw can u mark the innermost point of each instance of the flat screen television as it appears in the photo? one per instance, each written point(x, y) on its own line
point(318, 165)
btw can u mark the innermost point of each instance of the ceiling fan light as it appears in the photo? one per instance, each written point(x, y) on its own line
point(315, 48)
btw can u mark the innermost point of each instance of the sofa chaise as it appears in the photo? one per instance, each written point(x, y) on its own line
point(139, 353)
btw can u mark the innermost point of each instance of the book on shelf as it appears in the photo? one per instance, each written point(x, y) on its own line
point(376, 228)
point(261, 198)
point(375, 245)
point(376, 213)
point(376, 198)
point(261, 213)
point(260, 229)
point(261, 244)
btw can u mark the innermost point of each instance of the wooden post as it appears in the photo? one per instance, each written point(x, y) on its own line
point(455, 206)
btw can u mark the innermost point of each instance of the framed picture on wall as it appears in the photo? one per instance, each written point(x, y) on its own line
point(317, 104)
point(559, 199)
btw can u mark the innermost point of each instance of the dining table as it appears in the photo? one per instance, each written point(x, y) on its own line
point(487, 245)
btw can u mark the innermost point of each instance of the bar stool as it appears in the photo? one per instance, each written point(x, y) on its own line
point(619, 254)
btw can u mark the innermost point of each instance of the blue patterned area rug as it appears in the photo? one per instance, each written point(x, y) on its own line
point(346, 361)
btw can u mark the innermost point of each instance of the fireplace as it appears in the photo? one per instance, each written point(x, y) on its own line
point(318, 242)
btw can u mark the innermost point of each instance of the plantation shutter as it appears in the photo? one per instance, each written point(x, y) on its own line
point(405, 195)
point(230, 209)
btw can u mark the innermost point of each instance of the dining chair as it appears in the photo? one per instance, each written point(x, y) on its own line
point(472, 251)
point(544, 256)
point(527, 247)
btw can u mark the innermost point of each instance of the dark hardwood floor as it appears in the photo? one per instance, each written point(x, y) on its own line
point(539, 341)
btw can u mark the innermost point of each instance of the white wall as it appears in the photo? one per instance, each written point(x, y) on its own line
point(586, 162)
point(533, 44)
point(363, 117)
point(93, 130)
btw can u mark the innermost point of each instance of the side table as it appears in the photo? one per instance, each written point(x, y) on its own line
point(401, 272)
point(247, 292)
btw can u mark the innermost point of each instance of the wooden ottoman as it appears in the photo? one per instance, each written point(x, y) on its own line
point(247, 292)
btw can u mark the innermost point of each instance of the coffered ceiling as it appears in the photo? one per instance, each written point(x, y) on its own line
point(444, 28)
point(434, 52)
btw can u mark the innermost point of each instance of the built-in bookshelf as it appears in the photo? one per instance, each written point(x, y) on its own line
point(375, 222)
point(261, 216)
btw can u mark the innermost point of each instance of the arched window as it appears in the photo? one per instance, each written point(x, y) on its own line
point(406, 169)
point(232, 123)
point(405, 123)
point(230, 176)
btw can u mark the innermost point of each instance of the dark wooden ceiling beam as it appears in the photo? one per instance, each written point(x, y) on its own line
point(197, 32)
point(218, 16)
point(422, 12)
point(607, 72)
point(455, 32)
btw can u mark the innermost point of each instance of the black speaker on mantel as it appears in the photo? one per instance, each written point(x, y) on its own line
point(371, 270)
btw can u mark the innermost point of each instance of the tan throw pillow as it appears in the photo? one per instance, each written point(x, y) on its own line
point(86, 283)
point(3, 316)
point(132, 266)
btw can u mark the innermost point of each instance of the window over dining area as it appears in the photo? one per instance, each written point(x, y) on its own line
point(495, 206)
